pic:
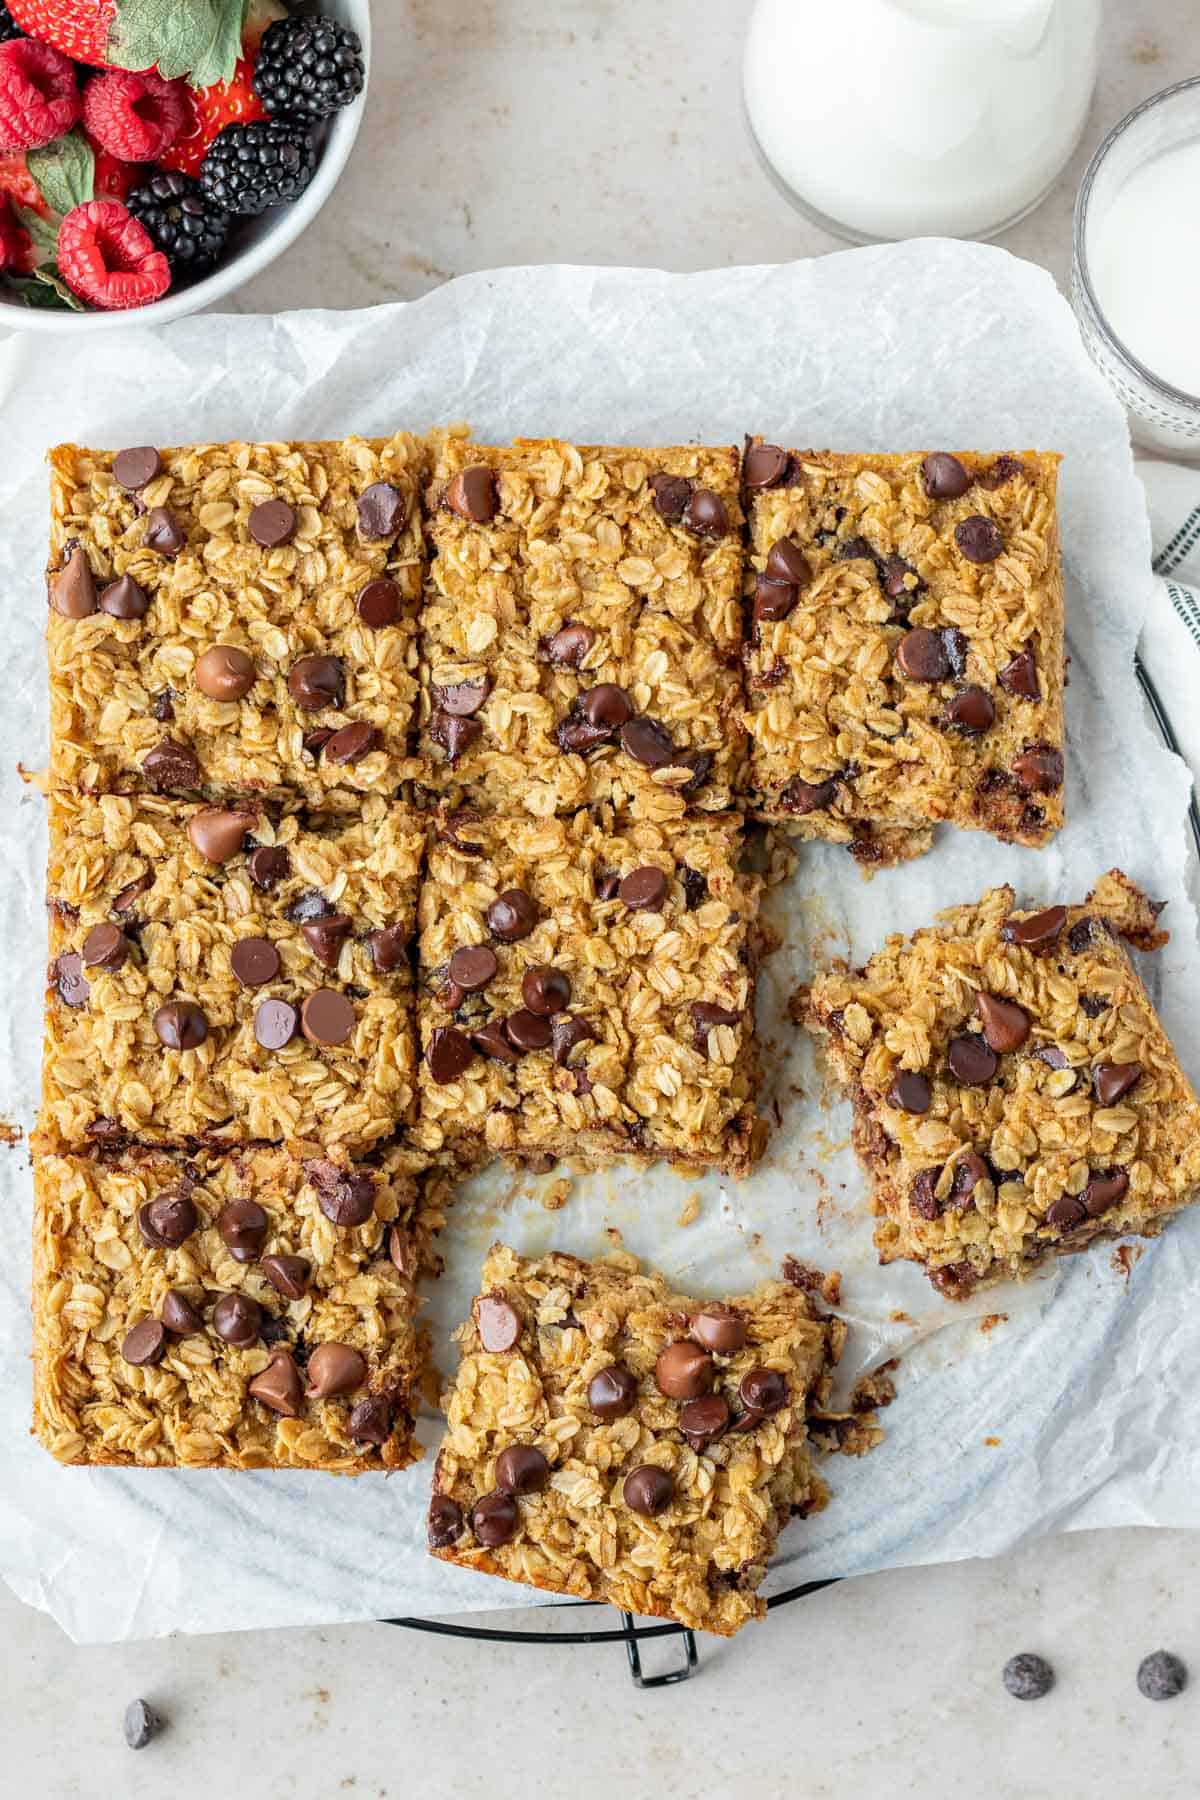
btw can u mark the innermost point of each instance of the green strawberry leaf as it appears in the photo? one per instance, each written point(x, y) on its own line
point(201, 39)
point(43, 232)
point(48, 275)
point(65, 172)
point(39, 293)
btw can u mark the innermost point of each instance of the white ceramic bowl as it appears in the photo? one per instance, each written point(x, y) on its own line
point(265, 237)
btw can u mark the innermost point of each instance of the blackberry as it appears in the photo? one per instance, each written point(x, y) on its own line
point(308, 68)
point(8, 27)
point(184, 223)
point(251, 167)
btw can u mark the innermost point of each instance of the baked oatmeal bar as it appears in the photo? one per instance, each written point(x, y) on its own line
point(1014, 1095)
point(904, 656)
point(611, 1440)
point(582, 629)
point(238, 1311)
point(235, 617)
point(228, 974)
point(587, 991)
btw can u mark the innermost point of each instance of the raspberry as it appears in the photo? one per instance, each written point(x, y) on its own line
point(108, 259)
point(14, 241)
point(135, 117)
point(38, 96)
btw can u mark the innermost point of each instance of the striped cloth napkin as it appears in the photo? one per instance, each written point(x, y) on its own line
point(1170, 645)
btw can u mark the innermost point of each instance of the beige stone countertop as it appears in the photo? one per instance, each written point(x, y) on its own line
point(510, 131)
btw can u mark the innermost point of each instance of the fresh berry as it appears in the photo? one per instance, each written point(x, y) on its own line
point(38, 96)
point(15, 246)
point(106, 257)
point(309, 68)
point(188, 229)
point(251, 167)
point(113, 179)
point(79, 28)
point(178, 37)
point(210, 111)
point(8, 26)
point(136, 117)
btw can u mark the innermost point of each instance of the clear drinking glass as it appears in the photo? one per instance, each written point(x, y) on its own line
point(1161, 416)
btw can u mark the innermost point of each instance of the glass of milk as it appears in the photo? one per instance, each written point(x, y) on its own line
point(910, 118)
point(1136, 270)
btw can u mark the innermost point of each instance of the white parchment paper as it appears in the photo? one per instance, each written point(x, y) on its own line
point(1077, 1408)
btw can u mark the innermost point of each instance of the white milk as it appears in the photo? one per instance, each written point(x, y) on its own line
point(905, 118)
point(1143, 254)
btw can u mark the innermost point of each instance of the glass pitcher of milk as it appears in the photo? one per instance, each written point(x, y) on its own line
point(908, 118)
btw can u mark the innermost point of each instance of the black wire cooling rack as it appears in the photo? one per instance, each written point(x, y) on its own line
point(633, 1635)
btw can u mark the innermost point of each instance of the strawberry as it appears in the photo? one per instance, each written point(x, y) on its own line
point(79, 28)
point(108, 259)
point(198, 38)
point(114, 179)
point(231, 102)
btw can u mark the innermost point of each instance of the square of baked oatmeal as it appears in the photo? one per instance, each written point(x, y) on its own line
point(228, 973)
point(612, 1440)
point(904, 654)
point(1015, 1096)
point(243, 1311)
point(582, 629)
point(587, 991)
point(232, 618)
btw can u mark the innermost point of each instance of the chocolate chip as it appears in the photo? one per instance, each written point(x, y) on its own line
point(164, 534)
point(512, 915)
point(370, 1421)
point(528, 1030)
point(1161, 1676)
point(605, 707)
point(317, 681)
point(145, 1343)
point(971, 711)
point(648, 1490)
point(225, 673)
point(1002, 470)
point(180, 1025)
point(719, 1328)
point(705, 514)
point(971, 1060)
point(1066, 1213)
point(133, 891)
point(671, 494)
point(309, 905)
point(921, 655)
point(345, 1196)
point(568, 646)
point(607, 884)
point(695, 887)
point(335, 1369)
point(763, 466)
point(243, 1225)
point(179, 1315)
point(473, 494)
point(472, 966)
point(454, 735)
point(462, 699)
point(567, 1031)
point(700, 763)
point(326, 936)
point(448, 1054)
point(445, 1523)
point(288, 1275)
point(168, 1220)
point(104, 1130)
point(546, 990)
point(124, 599)
point(238, 1319)
point(279, 1387)
point(1028, 1677)
point(944, 476)
point(705, 1420)
point(575, 735)
point(275, 1023)
point(922, 1200)
point(271, 522)
point(521, 1469)
point(763, 1391)
point(136, 468)
point(1103, 1191)
point(705, 1014)
point(378, 603)
point(1005, 1024)
point(772, 600)
point(978, 539)
point(1112, 1081)
point(1053, 1057)
point(969, 1171)
point(217, 833)
point(802, 797)
point(388, 948)
point(141, 1724)
point(171, 766)
point(382, 510)
point(497, 1321)
point(268, 864)
point(648, 742)
point(894, 573)
point(313, 742)
point(910, 1091)
point(490, 1040)
point(326, 1017)
point(494, 1520)
point(612, 1392)
point(1037, 930)
point(163, 706)
point(1020, 676)
point(643, 890)
point(1039, 770)
point(351, 743)
point(1082, 935)
point(855, 549)
point(105, 947)
point(787, 563)
point(683, 1370)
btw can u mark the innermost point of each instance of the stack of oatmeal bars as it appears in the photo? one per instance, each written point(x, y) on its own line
point(398, 804)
